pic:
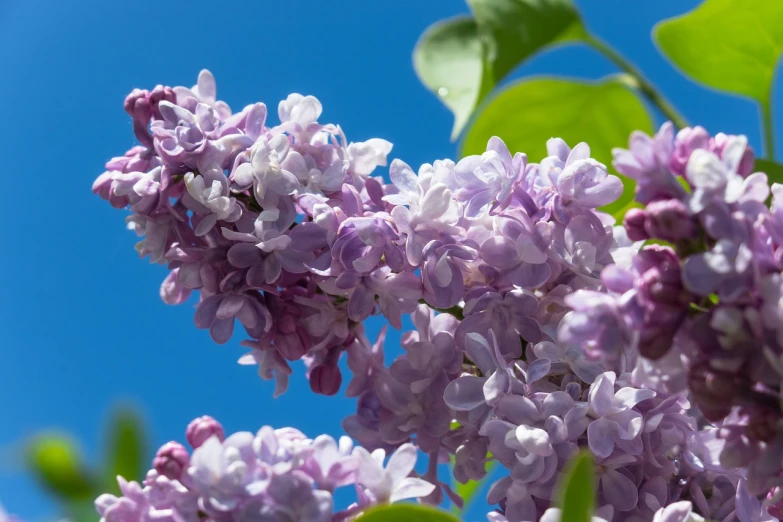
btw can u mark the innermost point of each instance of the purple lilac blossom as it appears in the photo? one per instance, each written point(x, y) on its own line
point(540, 328)
point(276, 474)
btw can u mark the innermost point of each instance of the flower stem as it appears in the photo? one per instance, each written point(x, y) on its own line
point(768, 128)
point(641, 83)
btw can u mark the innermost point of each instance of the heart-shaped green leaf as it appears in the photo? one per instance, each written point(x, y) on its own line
point(55, 462)
point(449, 60)
point(577, 490)
point(727, 45)
point(514, 30)
point(126, 447)
point(462, 59)
point(527, 113)
point(406, 512)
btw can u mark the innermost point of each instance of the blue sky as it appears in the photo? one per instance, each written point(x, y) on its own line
point(82, 324)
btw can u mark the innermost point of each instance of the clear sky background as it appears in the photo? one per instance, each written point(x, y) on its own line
point(81, 323)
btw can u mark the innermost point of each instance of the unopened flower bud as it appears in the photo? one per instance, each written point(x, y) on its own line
point(202, 428)
point(326, 379)
point(669, 220)
point(171, 460)
point(634, 223)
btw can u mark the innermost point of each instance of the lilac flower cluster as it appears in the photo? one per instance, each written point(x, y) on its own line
point(703, 308)
point(274, 475)
point(284, 229)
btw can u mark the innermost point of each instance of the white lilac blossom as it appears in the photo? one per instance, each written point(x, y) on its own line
point(276, 474)
point(540, 326)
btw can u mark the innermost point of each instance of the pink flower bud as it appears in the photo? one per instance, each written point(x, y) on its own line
point(171, 460)
point(202, 428)
point(669, 220)
point(326, 379)
point(634, 224)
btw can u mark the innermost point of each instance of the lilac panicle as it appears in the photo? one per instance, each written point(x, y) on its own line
point(540, 327)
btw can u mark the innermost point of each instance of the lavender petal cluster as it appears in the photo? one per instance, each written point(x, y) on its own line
point(699, 312)
point(275, 474)
point(541, 326)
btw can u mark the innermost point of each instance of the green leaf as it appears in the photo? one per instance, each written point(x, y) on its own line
point(577, 490)
point(55, 462)
point(726, 45)
point(406, 512)
point(527, 113)
point(619, 215)
point(773, 170)
point(82, 511)
point(462, 59)
point(126, 447)
point(515, 30)
point(449, 60)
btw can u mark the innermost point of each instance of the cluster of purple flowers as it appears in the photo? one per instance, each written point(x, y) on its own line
point(274, 475)
point(704, 308)
point(285, 230)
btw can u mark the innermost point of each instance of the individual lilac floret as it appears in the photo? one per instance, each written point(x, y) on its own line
point(333, 464)
point(574, 177)
point(478, 395)
point(486, 182)
point(616, 423)
point(518, 250)
point(208, 195)
point(205, 91)
point(717, 178)
point(431, 208)
point(392, 483)
point(647, 162)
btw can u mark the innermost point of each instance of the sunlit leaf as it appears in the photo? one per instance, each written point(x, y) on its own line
point(449, 60)
point(577, 490)
point(527, 113)
point(56, 463)
point(727, 45)
point(462, 59)
point(405, 513)
point(514, 30)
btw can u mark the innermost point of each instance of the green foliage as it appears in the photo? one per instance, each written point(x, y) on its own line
point(126, 450)
point(514, 30)
point(529, 112)
point(461, 60)
point(55, 462)
point(577, 489)
point(729, 46)
point(773, 170)
point(449, 60)
point(406, 512)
